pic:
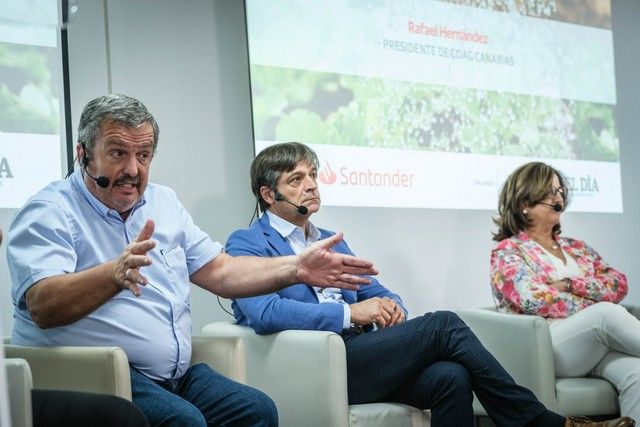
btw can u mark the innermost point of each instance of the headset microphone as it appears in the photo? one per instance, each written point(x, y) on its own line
point(556, 206)
point(302, 210)
point(102, 181)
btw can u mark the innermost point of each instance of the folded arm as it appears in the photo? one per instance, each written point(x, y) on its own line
point(516, 284)
point(602, 282)
point(274, 313)
point(298, 308)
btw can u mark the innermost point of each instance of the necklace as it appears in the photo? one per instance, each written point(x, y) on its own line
point(554, 246)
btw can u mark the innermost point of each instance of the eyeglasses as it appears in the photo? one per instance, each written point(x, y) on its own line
point(553, 192)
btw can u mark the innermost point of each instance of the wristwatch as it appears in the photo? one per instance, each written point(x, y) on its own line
point(569, 284)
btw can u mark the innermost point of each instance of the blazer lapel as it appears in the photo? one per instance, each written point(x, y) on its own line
point(577, 253)
point(275, 240)
point(280, 246)
point(534, 255)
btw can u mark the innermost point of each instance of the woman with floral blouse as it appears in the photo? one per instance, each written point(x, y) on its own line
point(535, 271)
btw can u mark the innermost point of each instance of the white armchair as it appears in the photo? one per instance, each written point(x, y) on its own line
point(304, 372)
point(522, 344)
point(19, 385)
point(106, 369)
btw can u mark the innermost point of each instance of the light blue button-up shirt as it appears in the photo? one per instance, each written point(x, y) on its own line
point(65, 229)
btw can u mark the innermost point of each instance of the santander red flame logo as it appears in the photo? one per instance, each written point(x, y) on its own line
point(327, 176)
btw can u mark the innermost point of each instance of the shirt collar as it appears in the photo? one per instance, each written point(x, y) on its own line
point(286, 229)
point(106, 212)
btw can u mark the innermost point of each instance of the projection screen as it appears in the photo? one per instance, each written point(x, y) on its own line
point(431, 104)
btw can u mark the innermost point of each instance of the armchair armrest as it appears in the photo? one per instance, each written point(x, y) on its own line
point(522, 344)
point(304, 372)
point(19, 385)
point(227, 355)
point(91, 369)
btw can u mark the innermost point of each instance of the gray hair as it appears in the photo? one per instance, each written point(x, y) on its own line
point(271, 162)
point(116, 108)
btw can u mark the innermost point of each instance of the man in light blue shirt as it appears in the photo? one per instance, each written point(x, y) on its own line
point(106, 258)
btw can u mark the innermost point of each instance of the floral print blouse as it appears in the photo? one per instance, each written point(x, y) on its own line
point(521, 271)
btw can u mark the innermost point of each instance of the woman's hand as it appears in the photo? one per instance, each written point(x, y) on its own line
point(563, 285)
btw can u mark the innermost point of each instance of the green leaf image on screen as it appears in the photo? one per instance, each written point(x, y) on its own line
point(29, 102)
point(329, 108)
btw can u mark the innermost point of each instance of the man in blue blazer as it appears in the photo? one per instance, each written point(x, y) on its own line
point(433, 361)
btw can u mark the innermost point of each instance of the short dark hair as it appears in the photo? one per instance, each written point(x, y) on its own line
point(271, 162)
point(116, 108)
point(528, 185)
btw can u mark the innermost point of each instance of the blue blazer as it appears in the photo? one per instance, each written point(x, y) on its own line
point(296, 306)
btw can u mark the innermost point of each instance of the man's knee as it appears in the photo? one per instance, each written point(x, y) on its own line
point(188, 415)
point(240, 404)
point(454, 373)
point(444, 318)
point(262, 410)
point(454, 379)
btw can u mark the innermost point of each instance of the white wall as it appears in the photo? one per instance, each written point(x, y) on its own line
point(187, 61)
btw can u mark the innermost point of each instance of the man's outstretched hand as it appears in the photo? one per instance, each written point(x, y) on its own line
point(319, 266)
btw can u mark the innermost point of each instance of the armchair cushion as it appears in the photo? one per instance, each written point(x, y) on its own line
point(387, 414)
point(572, 394)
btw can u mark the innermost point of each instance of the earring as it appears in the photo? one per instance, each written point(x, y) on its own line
point(525, 212)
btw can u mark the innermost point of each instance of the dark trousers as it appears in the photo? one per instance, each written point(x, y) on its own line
point(202, 397)
point(435, 362)
point(75, 409)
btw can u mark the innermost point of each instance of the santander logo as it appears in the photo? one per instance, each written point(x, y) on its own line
point(366, 177)
point(327, 176)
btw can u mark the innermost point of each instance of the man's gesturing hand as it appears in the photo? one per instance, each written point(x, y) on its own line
point(319, 266)
point(125, 273)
